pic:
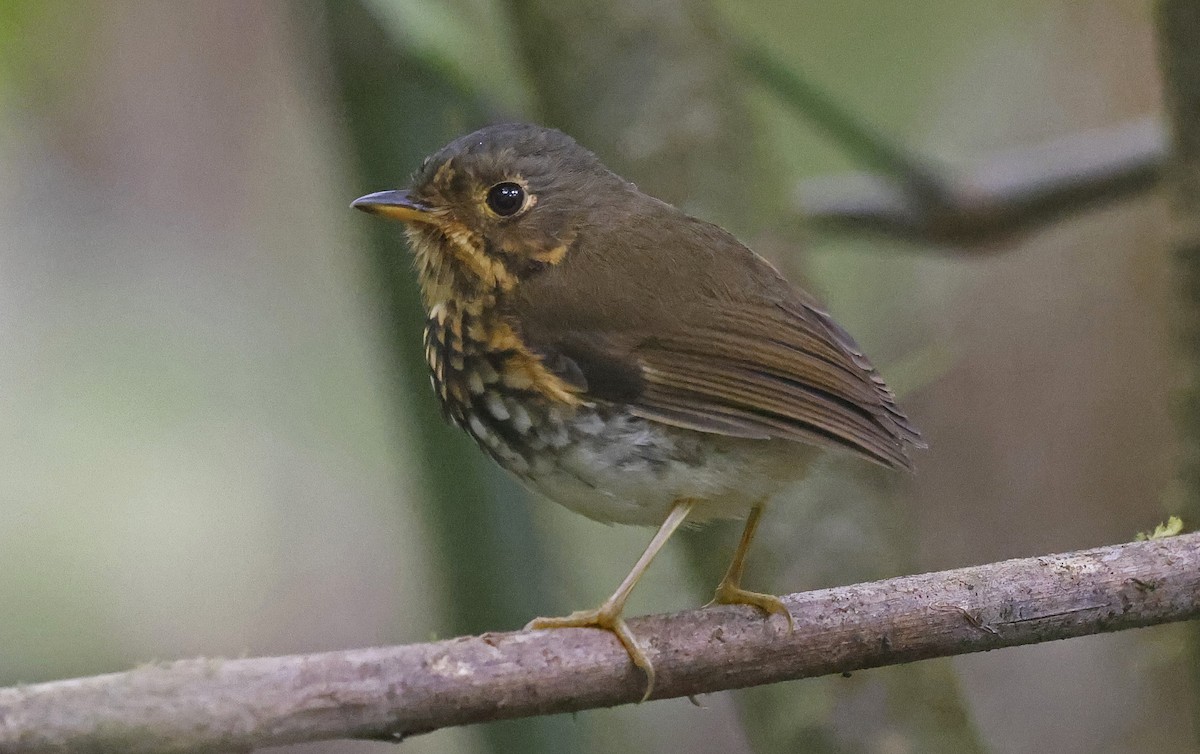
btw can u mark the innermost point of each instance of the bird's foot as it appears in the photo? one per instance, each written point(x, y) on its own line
point(607, 618)
point(731, 594)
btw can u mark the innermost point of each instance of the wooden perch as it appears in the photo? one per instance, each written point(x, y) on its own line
point(394, 692)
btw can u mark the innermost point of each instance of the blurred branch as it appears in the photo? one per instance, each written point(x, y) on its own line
point(395, 692)
point(848, 129)
point(1013, 193)
point(1179, 42)
point(1005, 197)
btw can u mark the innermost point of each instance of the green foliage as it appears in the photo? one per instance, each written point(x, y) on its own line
point(468, 42)
point(1173, 527)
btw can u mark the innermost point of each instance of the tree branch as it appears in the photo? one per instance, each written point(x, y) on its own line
point(1003, 198)
point(395, 692)
point(913, 199)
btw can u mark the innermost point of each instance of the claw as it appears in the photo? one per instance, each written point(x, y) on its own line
point(606, 620)
point(608, 615)
point(728, 594)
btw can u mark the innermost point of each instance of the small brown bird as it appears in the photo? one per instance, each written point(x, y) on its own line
point(635, 364)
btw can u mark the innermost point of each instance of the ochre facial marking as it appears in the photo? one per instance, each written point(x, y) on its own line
point(553, 255)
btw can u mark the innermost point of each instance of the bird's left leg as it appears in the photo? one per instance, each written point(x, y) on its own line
point(730, 592)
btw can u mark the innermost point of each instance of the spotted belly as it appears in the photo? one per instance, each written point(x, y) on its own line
point(596, 458)
point(611, 466)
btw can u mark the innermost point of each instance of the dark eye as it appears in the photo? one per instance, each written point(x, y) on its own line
point(505, 198)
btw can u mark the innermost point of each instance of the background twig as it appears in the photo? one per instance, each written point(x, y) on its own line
point(392, 693)
point(914, 199)
point(1004, 197)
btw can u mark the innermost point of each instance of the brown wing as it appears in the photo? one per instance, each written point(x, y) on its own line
point(775, 373)
point(709, 337)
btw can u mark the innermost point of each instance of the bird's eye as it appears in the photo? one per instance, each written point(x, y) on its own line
point(505, 198)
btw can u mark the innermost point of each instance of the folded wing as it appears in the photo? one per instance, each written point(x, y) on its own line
point(713, 340)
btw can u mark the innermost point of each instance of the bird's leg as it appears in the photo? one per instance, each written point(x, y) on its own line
point(608, 615)
point(730, 592)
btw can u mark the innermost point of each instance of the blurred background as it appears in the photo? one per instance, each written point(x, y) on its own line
point(217, 434)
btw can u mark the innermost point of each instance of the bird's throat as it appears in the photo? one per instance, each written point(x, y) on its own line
point(471, 348)
point(452, 265)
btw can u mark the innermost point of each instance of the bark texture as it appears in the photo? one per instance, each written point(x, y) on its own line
point(395, 692)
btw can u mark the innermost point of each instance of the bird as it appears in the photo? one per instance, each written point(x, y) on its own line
point(633, 363)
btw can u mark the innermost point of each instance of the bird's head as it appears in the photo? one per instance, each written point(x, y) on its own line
point(497, 206)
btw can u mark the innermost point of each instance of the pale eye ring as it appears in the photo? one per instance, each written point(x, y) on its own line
point(506, 199)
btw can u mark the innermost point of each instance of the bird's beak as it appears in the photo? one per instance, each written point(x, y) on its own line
point(395, 205)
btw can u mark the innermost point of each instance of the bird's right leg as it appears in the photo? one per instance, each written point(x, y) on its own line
point(608, 615)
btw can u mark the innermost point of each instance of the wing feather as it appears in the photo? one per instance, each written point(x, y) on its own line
point(724, 346)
